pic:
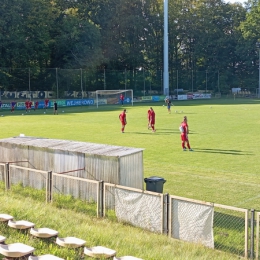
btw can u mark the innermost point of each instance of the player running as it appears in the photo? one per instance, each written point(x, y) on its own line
point(148, 118)
point(122, 118)
point(184, 128)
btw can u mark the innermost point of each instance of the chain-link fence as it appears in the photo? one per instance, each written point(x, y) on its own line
point(231, 229)
point(216, 226)
point(143, 82)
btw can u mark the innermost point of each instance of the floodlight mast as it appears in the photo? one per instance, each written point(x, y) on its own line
point(165, 52)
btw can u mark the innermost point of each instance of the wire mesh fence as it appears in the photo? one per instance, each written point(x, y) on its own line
point(143, 82)
point(231, 229)
point(222, 227)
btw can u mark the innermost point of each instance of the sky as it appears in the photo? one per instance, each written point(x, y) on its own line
point(234, 1)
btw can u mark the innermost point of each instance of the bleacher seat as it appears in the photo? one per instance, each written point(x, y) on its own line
point(15, 250)
point(5, 217)
point(99, 252)
point(71, 242)
point(43, 232)
point(45, 257)
point(20, 224)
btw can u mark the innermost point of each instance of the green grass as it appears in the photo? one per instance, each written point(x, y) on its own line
point(223, 167)
point(125, 239)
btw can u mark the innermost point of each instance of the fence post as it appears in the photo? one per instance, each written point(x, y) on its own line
point(7, 176)
point(100, 202)
point(166, 213)
point(252, 234)
point(49, 187)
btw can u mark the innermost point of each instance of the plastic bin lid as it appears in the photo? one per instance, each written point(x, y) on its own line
point(154, 178)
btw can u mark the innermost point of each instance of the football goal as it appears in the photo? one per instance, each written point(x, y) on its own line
point(113, 97)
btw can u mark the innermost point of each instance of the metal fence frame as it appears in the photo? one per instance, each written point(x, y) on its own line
point(102, 191)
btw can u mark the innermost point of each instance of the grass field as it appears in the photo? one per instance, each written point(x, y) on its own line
point(223, 133)
point(223, 168)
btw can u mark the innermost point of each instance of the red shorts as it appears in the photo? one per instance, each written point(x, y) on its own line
point(123, 123)
point(184, 138)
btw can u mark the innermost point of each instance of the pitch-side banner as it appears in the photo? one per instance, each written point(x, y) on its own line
point(194, 96)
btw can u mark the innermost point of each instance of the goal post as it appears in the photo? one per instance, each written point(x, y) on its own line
point(112, 97)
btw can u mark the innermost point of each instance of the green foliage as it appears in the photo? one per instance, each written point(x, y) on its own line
point(204, 35)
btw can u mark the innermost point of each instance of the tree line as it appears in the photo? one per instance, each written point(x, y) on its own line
point(209, 40)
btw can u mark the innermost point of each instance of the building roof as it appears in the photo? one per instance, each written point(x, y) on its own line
point(72, 146)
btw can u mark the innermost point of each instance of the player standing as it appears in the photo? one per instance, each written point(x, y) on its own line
point(30, 105)
point(122, 98)
point(55, 108)
point(152, 119)
point(169, 103)
point(46, 103)
point(184, 134)
point(36, 105)
point(13, 103)
point(26, 105)
point(122, 118)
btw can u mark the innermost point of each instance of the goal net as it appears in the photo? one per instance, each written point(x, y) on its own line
point(113, 97)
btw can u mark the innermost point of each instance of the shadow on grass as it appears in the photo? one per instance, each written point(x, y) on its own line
point(221, 151)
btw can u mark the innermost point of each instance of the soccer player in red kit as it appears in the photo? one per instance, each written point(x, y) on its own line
point(36, 104)
point(122, 99)
point(122, 118)
point(26, 105)
point(152, 119)
point(13, 103)
point(148, 117)
point(184, 134)
point(30, 105)
point(46, 103)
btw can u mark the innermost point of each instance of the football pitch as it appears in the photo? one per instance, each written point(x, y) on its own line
point(224, 134)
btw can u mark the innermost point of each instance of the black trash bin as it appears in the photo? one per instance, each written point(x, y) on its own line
point(155, 184)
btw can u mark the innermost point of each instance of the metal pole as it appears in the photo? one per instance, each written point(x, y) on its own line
point(57, 96)
point(144, 81)
point(104, 79)
point(81, 83)
point(252, 234)
point(30, 83)
point(192, 81)
point(165, 52)
point(125, 78)
point(206, 81)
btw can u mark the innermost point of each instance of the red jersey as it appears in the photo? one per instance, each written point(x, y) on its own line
point(152, 117)
point(36, 104)
point(185, 128)
point(122, 117)
point(26, 103)
point(122, 97)
point(148, 114)
point(30, 104)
